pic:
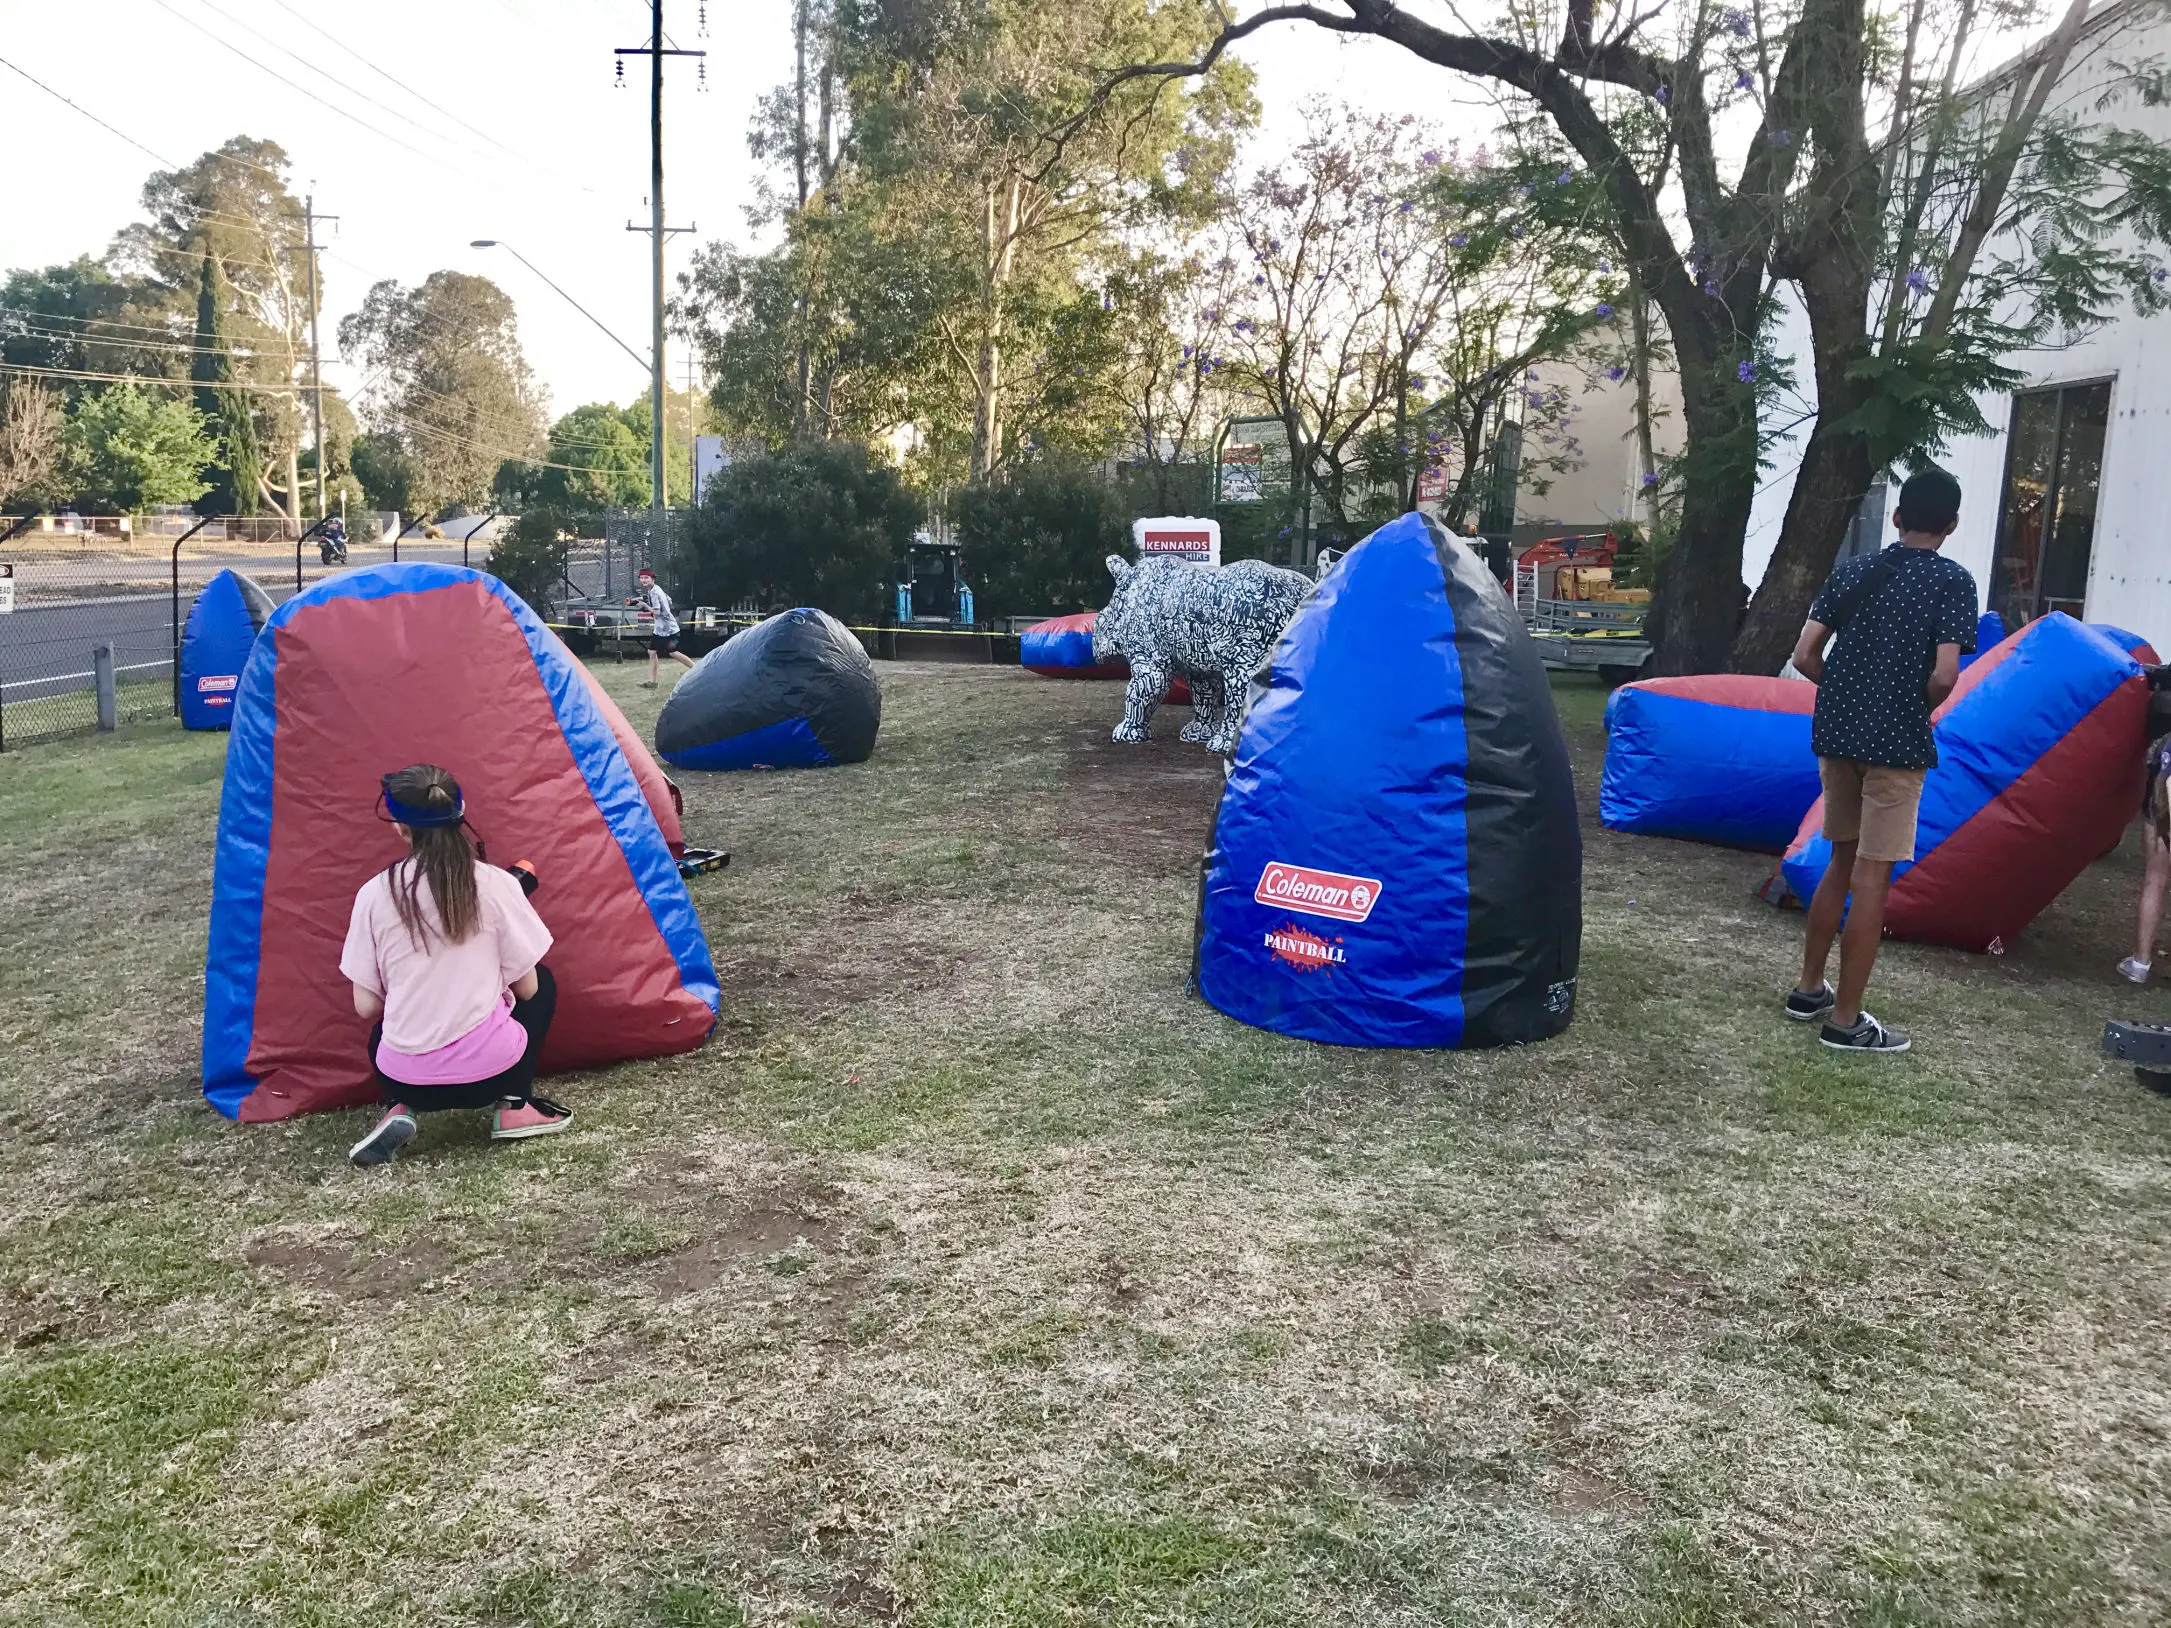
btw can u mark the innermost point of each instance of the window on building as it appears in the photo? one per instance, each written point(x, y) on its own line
point(2047, 513)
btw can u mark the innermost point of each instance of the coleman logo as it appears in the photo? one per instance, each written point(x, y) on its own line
point(225, 681)
point(1317, 893)
point(1303, 949)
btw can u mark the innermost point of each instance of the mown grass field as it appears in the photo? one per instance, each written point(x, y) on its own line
point(975, 1274)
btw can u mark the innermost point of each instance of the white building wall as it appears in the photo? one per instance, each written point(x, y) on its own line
point(2129, 576)
point(1606, 486)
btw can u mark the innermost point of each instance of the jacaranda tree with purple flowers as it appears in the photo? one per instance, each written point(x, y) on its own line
point(1641, 103)
point(1387, 299)
point(1981, 222)
point(1734, 147)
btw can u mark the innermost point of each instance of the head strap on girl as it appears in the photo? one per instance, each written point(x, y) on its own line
point(410, 814)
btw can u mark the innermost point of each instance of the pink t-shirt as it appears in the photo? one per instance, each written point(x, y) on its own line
point(447, 1015)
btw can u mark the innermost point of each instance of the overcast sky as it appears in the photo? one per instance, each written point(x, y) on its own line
point(424, 124)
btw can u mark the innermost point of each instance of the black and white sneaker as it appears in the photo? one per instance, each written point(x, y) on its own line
point(1806, 1007)
point(1866, 1035)
point(391, 1133)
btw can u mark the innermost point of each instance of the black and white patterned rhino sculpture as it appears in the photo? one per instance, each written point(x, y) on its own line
point(1216, 627)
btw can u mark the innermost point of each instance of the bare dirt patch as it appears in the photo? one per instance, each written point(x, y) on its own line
point(1151, 803)
point(803, 1216)
point(346, 1273)
point(867, 951)
point(1582, 1491)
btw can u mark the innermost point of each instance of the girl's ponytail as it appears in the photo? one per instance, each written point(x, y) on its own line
point(441, 855)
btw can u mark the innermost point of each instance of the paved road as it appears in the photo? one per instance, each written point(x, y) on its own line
point(45, 649)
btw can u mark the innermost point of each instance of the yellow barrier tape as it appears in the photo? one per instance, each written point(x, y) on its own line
point(850, 627)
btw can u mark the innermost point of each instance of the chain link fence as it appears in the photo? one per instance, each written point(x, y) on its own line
point(71, 588)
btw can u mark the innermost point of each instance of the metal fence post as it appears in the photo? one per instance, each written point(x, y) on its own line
point(176, 564)
point(109, 700)
point(471, 530)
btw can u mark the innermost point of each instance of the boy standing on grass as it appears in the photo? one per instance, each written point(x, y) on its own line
point(663, 632)
point(1902, 618)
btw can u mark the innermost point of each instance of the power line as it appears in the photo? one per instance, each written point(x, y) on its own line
point(182, 348)
point(401, 86)
point(328, 107)
point(158, 380)
point(405, 419)
point(86, 112)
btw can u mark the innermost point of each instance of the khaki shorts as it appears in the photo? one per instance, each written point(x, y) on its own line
point(1871, 805)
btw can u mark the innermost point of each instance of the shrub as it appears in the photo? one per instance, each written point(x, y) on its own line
point(814, 523)
point(530, 557)
point(1036, 536)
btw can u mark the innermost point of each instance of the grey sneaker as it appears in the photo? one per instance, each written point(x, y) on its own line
point(2134, 970)
point(385, 1138)
point(1866, 1035)
point(1804, 1006)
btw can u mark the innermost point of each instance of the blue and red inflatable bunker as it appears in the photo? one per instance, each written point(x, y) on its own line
point(369, 671)
point(223, 623)
point(1721, 757)
point(1062, 647)
point(1395, 860)
point(2038, 773)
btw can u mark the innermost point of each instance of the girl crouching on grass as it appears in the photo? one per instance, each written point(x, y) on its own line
point(445, 954)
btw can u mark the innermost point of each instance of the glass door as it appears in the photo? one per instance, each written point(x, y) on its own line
point(2047, 511)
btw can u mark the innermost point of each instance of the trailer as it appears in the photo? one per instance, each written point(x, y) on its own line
point(589, 622)
point(1579, 621)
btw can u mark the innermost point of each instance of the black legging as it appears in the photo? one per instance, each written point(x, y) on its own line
point(517, 1082)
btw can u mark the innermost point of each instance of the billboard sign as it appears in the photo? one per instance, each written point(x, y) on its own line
point(1178, 537)
point(1243, 473)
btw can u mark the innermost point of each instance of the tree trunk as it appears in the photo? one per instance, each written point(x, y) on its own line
point(802, 404)
point(1827, 495)
point(1639, 308)
point(1701, 606)
point(1465, 497)
point(999, 238)
point(1844, 200)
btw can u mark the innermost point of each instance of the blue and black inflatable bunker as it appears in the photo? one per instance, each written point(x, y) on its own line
point(222, 627)
point(1720, 757)
point(1395, 860)
point(793, 692)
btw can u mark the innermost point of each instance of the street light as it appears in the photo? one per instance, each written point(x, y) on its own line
point(493, 243)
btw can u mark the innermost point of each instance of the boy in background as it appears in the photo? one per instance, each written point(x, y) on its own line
point(1902, 618)
point(663, 635)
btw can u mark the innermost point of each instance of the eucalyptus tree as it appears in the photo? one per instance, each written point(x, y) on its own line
point(987, 136)
point(451, 397)
point(233, 205)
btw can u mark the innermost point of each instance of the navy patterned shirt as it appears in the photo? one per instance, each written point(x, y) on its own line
point(1870, 705)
